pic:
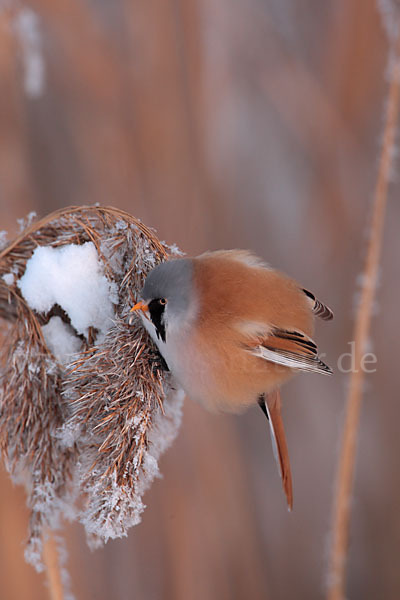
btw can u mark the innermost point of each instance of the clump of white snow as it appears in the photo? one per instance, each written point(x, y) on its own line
point(60, 339)
point(8, 278)
point(72, 277)
point(3, 239)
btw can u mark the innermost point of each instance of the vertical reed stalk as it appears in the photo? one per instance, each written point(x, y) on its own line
point(52, 563)
point(345, 475)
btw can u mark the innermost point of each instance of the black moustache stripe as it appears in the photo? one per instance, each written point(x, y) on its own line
point(156, 311)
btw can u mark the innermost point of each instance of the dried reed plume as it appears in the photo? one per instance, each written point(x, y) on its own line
point(93, 429)
point(345, 476)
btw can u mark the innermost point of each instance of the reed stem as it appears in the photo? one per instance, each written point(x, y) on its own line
point(345, 475)
point(52, 563)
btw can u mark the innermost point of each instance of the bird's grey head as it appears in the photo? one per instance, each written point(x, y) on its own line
point(168, 294)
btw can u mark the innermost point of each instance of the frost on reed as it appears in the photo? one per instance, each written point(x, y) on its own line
point(85, 429)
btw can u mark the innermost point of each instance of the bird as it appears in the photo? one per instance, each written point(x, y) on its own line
point(231, 330)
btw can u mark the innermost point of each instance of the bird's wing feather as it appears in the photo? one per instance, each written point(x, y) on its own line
point(273, 410)
point(291, 349)
point(319, 308)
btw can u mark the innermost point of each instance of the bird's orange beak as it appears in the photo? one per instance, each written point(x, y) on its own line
point(140, 306)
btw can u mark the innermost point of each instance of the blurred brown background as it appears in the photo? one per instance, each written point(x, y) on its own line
point(251, 124)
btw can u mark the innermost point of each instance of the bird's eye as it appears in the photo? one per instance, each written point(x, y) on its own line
point(162, 301)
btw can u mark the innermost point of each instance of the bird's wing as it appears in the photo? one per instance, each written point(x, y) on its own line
point(292, 349)
point(319, 309)
point(271, 406)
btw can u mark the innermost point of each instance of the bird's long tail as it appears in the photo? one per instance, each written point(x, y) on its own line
point(271, 406)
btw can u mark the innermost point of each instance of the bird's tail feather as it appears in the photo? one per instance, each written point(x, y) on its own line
point(273, 408)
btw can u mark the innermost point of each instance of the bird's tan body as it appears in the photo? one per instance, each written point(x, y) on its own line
point(215, 366)
point(231, 331)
